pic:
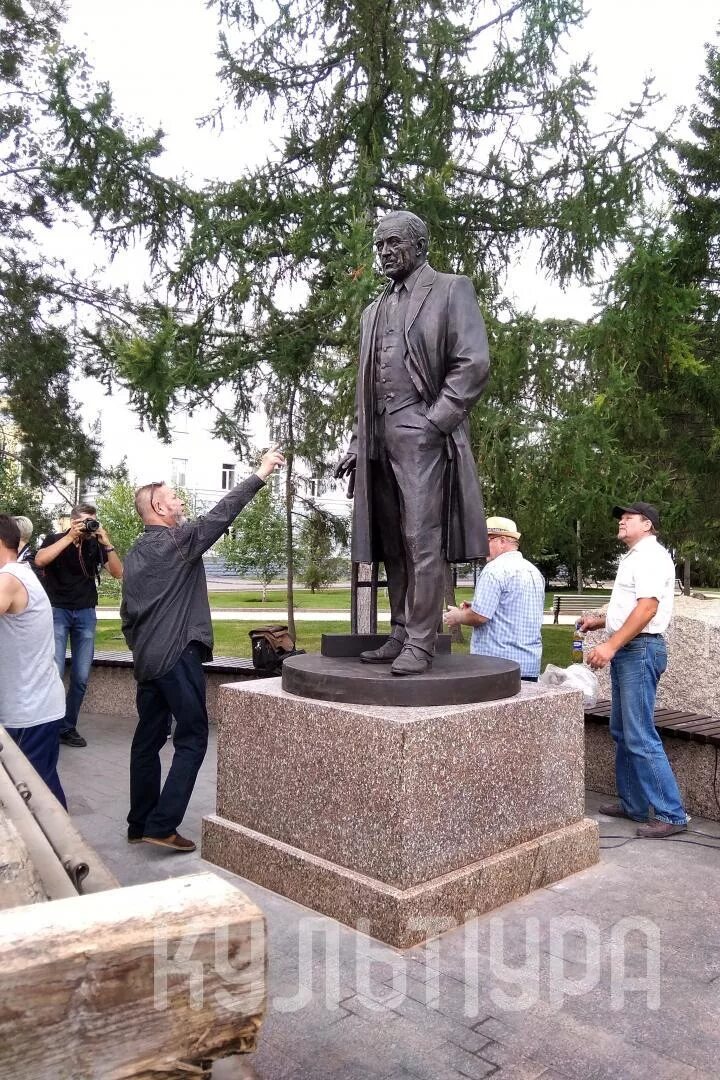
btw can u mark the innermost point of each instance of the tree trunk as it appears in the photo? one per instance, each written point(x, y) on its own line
point(456, 634)
point(289, 545)
point(289, 493)
point(579, 557)
point(686, 575)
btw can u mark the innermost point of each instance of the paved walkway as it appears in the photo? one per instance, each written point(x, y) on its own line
point(612, 974)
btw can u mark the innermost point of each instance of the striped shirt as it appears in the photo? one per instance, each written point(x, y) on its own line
point(510, 594)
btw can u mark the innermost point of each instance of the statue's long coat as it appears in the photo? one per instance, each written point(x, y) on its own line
point(448, 362)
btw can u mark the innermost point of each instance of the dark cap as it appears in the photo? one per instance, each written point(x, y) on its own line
point(646, 509)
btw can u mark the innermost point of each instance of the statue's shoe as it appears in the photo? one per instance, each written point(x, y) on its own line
point(385, 654)
point(412, 661)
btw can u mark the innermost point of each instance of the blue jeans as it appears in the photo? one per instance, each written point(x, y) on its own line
point(180, 692)
point(643, 774)
point(41, 746)
point(79, 627)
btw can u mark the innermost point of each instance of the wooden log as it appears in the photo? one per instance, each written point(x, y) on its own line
point(147, 981)
point(19, 880)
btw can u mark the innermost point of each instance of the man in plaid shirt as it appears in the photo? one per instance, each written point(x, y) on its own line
point(507, 609)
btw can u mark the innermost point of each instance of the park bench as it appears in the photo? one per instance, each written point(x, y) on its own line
point(692, 743)
point(577, 603)
point(221, 665)
point(573, 604)
point(694, 727)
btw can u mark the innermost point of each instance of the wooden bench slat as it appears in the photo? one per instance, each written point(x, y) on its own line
point(682, 721)
point(668, 710)
point(696, 727)
point(679, 723)
point(572, 604)
point(222, 664)
point(677, 719)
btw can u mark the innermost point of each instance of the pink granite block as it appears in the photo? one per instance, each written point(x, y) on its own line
point(400, 795)
point(400, 917)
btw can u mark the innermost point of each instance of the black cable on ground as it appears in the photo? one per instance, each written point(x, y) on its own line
point(665, 839)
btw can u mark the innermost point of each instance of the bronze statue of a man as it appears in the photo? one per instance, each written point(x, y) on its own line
point(423, 365)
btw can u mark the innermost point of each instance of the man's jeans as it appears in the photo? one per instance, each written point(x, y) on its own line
point(643, 774)
point(79, 627)
point(179, 693)
point(41, 746)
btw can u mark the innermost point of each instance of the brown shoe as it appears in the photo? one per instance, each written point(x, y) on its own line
point(658, 830)
point(616, 809)
point(174, 842)
point(385, 654)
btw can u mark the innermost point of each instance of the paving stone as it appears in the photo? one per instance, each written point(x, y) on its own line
point(448, 1024)
point(467, 1064)
point(433, 1024)
point(473, 1041)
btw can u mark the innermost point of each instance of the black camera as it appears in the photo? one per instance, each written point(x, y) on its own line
point(90, 525)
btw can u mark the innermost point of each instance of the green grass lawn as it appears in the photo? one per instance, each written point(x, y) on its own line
point(326, 600)
point(231, 638)
point(333, 599)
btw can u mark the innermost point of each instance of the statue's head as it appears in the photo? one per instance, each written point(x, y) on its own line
point(401, 242)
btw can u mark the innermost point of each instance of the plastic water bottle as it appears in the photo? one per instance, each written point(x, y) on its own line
point(578, 644)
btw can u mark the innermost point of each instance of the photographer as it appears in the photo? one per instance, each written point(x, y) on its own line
point(72, 562)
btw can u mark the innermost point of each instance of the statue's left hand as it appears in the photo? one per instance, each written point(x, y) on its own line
point(346, 466)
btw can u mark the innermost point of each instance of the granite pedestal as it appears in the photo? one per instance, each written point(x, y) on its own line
point(400, 821)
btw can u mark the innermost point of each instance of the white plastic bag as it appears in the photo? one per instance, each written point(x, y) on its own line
point(574, 677)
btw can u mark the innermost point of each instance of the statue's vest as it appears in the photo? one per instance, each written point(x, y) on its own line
point(393, 387)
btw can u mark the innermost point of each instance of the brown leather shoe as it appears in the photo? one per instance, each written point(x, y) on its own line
point(385, 654)
point(658, 830)
point(412, 661)
point(616, 809)
point(173, 842)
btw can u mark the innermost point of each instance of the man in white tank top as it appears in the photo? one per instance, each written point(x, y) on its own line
point(32, 698)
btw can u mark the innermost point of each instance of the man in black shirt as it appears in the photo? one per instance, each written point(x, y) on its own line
point(166, 622)
point(71, 562)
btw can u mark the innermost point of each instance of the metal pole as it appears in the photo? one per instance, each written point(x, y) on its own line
point(55, 882)
point(354, 568)
point(81, 863)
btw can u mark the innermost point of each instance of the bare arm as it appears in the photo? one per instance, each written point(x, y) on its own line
point(48, 554)
point(591, 622)
point(637, 620)
point(463, 616)
point(113, 565)
point(13, 595)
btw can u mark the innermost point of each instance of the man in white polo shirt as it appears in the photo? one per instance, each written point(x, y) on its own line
point(636, 619)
